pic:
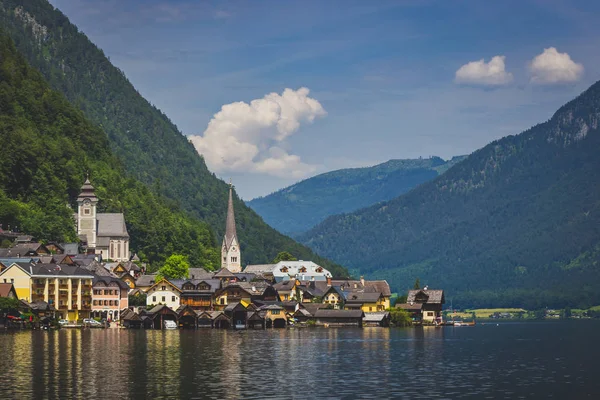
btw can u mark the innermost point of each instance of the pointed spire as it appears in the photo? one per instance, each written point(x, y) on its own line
point(87, 191)
point(230, 231)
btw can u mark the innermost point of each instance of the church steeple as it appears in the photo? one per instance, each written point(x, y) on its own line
point(230, 252)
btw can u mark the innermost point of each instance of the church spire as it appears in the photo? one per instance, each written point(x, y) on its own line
point(230, 252)
point(230, 231)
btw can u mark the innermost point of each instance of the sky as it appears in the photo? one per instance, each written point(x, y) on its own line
point(273, 92)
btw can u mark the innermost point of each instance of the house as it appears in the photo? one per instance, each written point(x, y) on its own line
point(198, 293)
point(145, 282)
point(238, 313)
point(379, 318)
point(66, 287)
point(187, 317)
point(431, 303)
point(109, 297)
point(339, 317)
point(130, 319)
point(335, 296)
point(364, 286)
point(275, 316)
point(299, 270)
point(231, 293)
point(261, 270)
point(161, 313)
point(368, 302)
point(163, 292)
point(286, 290)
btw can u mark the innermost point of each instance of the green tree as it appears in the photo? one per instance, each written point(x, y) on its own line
point(138, 299)
point(284, 256)
point(417, 285)
point(401, 299)
point(400, 317)
point(176, 266)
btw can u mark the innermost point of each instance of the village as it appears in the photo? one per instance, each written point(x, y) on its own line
point(98, 282)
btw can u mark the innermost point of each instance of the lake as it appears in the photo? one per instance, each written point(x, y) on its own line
point(505, 360)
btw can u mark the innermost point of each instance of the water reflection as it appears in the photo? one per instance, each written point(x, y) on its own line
point(506, 361)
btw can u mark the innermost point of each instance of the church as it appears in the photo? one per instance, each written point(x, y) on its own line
point(231, 256)
point(105, 233)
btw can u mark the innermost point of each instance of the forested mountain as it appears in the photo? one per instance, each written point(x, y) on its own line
point(515, 223)
point(148, 144)
point(299, 207)
point(47, 147)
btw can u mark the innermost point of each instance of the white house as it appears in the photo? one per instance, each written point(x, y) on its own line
point(163, 292)
point(301, 270)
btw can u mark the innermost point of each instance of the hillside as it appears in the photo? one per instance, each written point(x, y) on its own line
point(47, 148)
point(141, 136)
point(299, 207)
point(517, 223)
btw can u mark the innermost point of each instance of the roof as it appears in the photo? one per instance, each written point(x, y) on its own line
point(96, 268)
point(55, 270)
point(312, 307)
point(223, 273)
point(361, 297)
point(284, 285)
point(214, 284)
point(145, 280)
point(109, 279)
point(161, 308)
point(87, 192)
point(410, 307)
point(376, 316)
point(200, 273)
point(303, 270)
point(327, 313)
point(259, 268)
point(350, 285)
point(70, 248)
point(111, 224)
point(6, 288)
point(432, 296)
point(230, 231)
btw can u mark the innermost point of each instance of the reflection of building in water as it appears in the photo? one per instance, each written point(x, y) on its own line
point(231, 365)
point(163, 360)
point(18, 349)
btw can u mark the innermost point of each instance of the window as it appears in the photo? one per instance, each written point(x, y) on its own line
point(173, 299)
point(163, 299)
point(430, 313)
point(285, 296)
point(275, 312)
point(12, 280)
point(154, 299)
point(222, 301)
point(370, 308)
point(224, 259)
point(164, 288)
point(86, 211)
point(105, 302)
point(233, 259)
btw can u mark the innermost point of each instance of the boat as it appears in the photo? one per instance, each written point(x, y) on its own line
point(463, 323)
point(168, 324)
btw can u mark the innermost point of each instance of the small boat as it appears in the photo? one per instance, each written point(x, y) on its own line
point(463, 323)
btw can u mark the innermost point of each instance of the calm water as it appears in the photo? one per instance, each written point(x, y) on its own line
point(512, 360)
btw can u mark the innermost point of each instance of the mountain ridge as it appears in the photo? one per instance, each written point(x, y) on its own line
point(506, 226)
point(299, 207)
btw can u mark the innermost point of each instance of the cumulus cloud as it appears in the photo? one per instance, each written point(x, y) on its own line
point(251, 137)
point(554, 67)
point(492, 73)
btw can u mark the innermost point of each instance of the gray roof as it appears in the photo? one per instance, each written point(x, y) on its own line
point(146, 280)
point(200, 273)
point(111, 224)
point(376, 316)
point(358, 297)
point(223, 273)
point(70, 248)
point(259, 268)
point(108, 279)
point(97, 268)
point(57, 270)
point(433, 296)
point(213, 283)
point(327, 313)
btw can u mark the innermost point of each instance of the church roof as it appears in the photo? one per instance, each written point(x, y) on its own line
point(230, 231)
point(111, 224)
point(87, 192)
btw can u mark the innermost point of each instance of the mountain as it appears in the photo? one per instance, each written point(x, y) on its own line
point(515, 223)
point(148, 144)
point(299, 207)
point(47, 148)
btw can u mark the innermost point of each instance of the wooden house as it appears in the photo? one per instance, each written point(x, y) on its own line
point(187, 317)
point(431, 303)
point(330, 317)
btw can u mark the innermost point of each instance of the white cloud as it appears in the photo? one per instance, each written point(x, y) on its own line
point(554, 67)
point(479, 72)
point(244, 137)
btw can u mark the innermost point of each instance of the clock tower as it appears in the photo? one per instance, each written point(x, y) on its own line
point(86, 214)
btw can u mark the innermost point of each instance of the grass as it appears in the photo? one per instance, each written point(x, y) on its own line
point(485, 312)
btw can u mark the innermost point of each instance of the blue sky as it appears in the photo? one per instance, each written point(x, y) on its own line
point(385, 79)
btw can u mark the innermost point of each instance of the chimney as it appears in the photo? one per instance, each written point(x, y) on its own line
point(328, 281)
point(362, 280)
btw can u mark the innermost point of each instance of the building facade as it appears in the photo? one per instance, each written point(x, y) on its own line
point(109, 297)
point(104, 233)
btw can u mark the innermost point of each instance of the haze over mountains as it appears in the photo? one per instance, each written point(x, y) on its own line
point(516, 223)
point(148, 144)
point(299, 207)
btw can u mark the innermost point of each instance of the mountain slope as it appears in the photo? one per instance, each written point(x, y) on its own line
point(516, 223)
point(299, 207)
point(47, 148)
point(148, 143)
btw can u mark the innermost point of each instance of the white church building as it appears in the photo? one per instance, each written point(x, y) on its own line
point(105, 233)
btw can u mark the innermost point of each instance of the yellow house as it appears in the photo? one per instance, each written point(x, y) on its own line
point(334, 295)
point(67, 288)
point(20, 279)
point(367, 302)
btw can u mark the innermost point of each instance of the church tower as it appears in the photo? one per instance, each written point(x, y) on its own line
point(86, 214)
point(230, 252)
